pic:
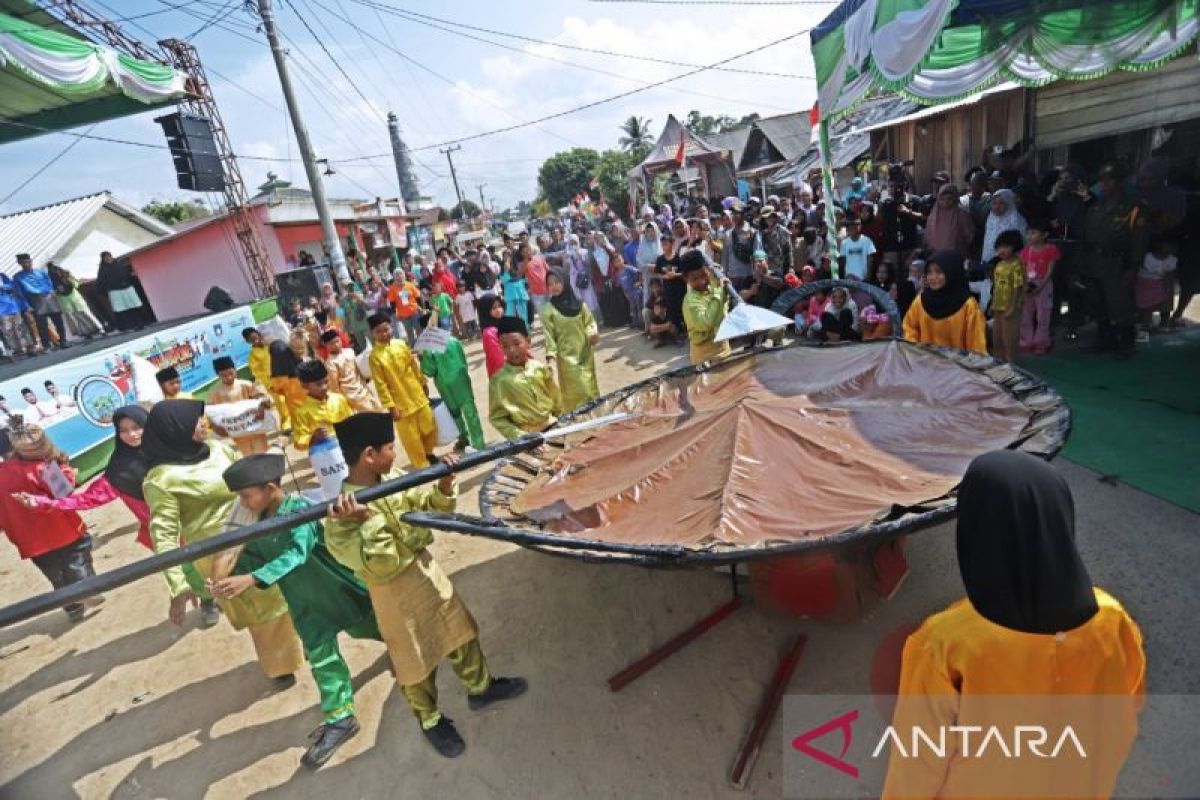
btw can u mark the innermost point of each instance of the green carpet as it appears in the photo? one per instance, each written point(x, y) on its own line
point(1136, 419)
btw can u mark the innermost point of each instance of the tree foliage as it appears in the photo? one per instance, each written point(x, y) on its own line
point(637, 134)
point(705, 125)
point(174, 211)
point(465, 210)
point(565, 174)
point(613, 174)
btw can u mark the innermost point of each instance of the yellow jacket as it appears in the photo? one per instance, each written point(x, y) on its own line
point(703, 313)
point(380, 548)
point(523, 399)
point(398, 378)
point(260, 365)
point(313, 413)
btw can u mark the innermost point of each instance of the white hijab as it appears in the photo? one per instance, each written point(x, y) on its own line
point(1010, 220)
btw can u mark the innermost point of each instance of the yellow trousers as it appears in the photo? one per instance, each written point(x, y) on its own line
point(418, 436)
point(277, 646)
point(471, 668)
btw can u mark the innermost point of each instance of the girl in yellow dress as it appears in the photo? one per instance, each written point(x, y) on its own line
point(571, 333)
point(945, 313)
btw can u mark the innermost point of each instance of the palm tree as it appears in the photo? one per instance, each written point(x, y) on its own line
point(637, 134)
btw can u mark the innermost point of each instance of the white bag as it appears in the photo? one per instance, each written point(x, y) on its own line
point(274, 329)
point(447, 429)
point(363, 360)
point(329, 465)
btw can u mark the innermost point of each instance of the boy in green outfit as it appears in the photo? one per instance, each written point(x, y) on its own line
point(421, 617)
point(323, 597)
point(448, 368)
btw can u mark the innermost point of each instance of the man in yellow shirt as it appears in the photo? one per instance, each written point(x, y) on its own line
point(260, 368)
point(400, 385)
point(421, 617)
point(321, 410)
point(703, 309)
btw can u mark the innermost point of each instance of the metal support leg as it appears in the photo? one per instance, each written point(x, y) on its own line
point(767, 709)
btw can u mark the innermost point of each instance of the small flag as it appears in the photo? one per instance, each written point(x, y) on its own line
point(814, 115)
point(680, 154)
point(593, 183)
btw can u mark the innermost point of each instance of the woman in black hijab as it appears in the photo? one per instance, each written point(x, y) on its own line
point(1031, 625)
point(945, 313)
point(173, 433)
point(284, 382)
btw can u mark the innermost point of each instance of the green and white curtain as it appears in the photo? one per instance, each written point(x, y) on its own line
point(939, 51)
point(76, 68)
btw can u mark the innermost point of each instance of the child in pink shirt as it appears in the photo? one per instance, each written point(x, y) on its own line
point(1039, 258)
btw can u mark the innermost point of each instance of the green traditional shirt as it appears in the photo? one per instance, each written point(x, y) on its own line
point(448, 369)
point(703, 313)
point(567, 345)
point(382, 547)
point(523, 399)
point(323, 596)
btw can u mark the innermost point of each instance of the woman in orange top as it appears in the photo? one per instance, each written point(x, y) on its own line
point(1033, 643)
point(945, 313)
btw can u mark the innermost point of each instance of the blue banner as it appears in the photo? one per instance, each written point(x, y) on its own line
point(76, 408)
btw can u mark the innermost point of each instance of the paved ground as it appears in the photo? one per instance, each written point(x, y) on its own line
point(126, 705)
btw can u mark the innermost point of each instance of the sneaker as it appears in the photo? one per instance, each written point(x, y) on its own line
point(210, 613)
point(327, 738)
point(500, 689)
point(445, 739)
point(284, 681)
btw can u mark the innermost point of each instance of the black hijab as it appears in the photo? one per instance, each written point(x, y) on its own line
point(114, 276)
point(168, 433)
point(127, 466)
point(1016, 545)
point(485, 306)
point(567, 302)
point(283, 360)
point(945, 302)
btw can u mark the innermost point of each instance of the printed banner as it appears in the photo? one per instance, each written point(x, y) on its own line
point(74, 400)
point(243, 418)
point(433, 340)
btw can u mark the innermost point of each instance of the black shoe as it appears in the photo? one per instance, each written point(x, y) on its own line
point(210, 613)
point(500, 689)
point(75, 612)
point(445, 739)
point(327, 738)
point(284, 682)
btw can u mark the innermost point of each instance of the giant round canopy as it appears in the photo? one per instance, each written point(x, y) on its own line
point(778, 450)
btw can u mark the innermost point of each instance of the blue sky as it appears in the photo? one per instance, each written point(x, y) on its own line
point(448, 86)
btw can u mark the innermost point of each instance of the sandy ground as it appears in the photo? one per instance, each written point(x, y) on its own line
point(127, 705)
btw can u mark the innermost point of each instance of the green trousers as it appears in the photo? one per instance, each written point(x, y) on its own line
point(332, 674)
point(471, 668)
point(466, 416)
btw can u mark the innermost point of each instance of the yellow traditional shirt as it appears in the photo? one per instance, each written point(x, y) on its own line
point(345, 380)
point(703, 313)
point(189, 503)
point(380, 548)
point(313, 413)
point(958, 653)
point(260, 364)
point(398, 378)
point(523, 399)
point(965, 329)
point(1008, 287)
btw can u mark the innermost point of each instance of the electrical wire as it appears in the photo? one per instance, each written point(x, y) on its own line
point(377, 5)
point(70, 146)
point(577, 65)
point(218, 15)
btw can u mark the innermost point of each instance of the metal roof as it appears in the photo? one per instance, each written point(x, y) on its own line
point(43, 232)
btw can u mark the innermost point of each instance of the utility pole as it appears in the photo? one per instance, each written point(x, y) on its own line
point(453, 176)
point(482, 204)
point(410, 190)
point(328, 229)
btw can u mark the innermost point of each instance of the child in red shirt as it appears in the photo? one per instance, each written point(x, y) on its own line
point(1039, 258)
point(56, 541)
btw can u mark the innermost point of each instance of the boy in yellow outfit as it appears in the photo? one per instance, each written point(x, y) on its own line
point(400, 385)
point(260, 369)
point(316, 416)
point(522, 395)
point(420, 615)
point(703, 309)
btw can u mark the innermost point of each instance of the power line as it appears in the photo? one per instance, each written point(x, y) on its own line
point(70, 146)
point(218, 15)
point(375, 4)
point(337, 65)
point(605, 100)
point(725, 2)
point(574, 64)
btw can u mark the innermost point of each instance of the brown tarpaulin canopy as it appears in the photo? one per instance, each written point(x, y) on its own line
point(784, 446)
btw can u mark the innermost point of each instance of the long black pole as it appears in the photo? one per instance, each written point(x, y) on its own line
point(98, 584)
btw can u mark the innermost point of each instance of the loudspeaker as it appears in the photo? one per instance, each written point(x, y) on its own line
point(218, 299)
point(194, 151)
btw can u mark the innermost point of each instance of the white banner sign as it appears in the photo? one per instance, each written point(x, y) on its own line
point(433, 339)
point(240, 418)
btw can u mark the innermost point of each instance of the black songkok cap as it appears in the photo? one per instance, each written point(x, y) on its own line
point(311, 371)
point(255, 470)
point(366, 429)
point(330, 335)
point(377, 319)
point(223, 363)
point(691, 261)
point(166, 374)
point(511, 325)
